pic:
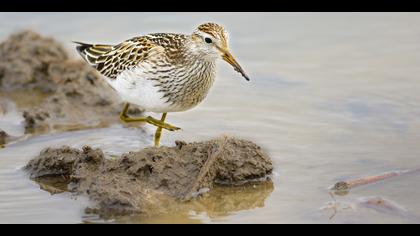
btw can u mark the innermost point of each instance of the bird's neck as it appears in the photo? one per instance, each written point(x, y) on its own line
point(196, 75)
point(191, 50)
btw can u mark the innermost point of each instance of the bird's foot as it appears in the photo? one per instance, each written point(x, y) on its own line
point(150, 120)
point(161, 124)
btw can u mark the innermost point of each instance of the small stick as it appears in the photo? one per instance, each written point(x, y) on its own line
point(343, 187)
point(212, 157)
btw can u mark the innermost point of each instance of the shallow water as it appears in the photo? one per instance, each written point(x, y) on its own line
point(332, 96)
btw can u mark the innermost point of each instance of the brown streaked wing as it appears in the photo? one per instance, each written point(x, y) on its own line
point(112, 60)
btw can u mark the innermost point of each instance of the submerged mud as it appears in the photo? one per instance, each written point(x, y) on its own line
point(145, 181)
point(75, 96)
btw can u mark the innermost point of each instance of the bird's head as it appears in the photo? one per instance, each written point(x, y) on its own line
point(211, 40)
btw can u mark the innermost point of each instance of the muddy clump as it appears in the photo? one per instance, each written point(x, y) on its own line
point(76, 97)
point(145, 181)
point(25, 58)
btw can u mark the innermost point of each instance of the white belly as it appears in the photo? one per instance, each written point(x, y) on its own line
point(141, 92)
point(137, 86)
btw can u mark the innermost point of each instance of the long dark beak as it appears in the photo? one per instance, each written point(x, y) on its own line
point(231, 60)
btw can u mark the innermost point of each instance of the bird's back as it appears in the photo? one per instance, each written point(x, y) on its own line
point(153, 71)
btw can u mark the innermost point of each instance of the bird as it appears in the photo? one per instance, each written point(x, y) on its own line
point(162, 72)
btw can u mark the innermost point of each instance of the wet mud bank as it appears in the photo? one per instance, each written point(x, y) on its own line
point(150, 180)
point(73, 95)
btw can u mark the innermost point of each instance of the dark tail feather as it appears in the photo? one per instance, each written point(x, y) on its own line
point(82, 47)
point(92, 52)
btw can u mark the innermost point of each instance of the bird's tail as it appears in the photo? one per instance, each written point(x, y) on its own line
point(92, 53)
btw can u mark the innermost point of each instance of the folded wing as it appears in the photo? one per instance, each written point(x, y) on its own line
point(111, 60)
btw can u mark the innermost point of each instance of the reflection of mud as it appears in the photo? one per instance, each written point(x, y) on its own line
point(152, 180)
point(76, 96)
point(219, 202)
point(224, 200)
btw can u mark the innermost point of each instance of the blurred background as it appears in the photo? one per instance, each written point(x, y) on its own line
point(332, 96)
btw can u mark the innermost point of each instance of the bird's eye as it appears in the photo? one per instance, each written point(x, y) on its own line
point(208, 40)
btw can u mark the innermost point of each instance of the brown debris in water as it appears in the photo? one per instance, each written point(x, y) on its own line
point(343, 187)
point(147, 180)
point(3, 138)
point(76, 96)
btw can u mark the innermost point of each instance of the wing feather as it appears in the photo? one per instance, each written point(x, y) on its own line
point(112, 60)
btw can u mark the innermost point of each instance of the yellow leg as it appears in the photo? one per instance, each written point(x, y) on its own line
point(158, 123)
point(123, 114)
point(158, 133)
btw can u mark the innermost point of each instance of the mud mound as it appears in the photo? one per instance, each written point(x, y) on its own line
point(76, 96)
point(144, 181)
point(24, 61)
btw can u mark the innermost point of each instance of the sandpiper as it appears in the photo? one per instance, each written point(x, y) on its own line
point(162, 72)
